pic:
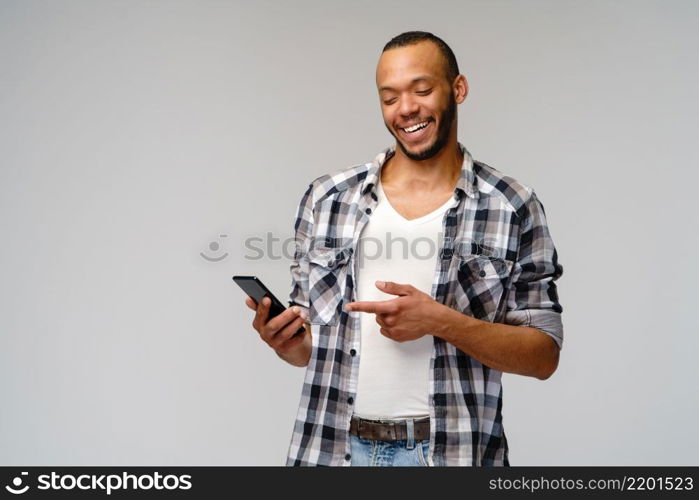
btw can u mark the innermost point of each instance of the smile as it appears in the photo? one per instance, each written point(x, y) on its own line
point(415, 128)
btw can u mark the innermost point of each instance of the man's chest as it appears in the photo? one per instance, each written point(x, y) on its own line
point(482, 226)
point(414, 205)
point(475, 251)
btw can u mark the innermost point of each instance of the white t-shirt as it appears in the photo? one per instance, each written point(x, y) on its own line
point(394, 376)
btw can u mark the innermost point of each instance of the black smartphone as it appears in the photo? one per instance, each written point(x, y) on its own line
point(256, 290)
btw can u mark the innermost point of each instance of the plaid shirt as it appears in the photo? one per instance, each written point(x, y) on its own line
point(496, 262)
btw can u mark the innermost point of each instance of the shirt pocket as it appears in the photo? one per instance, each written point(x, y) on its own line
point(480, 284)
point(327, 279)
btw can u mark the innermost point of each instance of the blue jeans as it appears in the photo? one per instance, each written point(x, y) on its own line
point(372, 452)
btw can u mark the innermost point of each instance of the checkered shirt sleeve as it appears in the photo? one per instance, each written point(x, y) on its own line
point(533, 297)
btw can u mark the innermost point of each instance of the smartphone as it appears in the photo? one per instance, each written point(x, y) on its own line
point(256, 290)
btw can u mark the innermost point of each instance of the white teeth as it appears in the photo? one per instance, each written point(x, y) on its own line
point(416, 127)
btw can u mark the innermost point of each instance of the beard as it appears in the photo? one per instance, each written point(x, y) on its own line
point(443, 132)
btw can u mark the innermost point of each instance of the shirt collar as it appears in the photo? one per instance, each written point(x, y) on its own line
point(466, 183)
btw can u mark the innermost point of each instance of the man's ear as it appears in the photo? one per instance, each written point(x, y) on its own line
point(460, 88)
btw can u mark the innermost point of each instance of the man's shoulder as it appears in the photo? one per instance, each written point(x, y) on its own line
point(339, 180)
point(493, 182)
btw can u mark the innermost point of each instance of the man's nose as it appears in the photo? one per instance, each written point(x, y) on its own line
point(408, 106)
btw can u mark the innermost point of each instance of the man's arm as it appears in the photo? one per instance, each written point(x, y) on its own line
point(514, 349)
point(529, 340)
point(522, 350)
point(300, 354)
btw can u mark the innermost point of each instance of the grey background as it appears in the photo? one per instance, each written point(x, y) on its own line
point(133, 134)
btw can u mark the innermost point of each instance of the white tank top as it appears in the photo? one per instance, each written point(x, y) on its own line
point(394, 376)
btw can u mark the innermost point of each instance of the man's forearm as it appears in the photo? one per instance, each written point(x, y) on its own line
point(514, 349)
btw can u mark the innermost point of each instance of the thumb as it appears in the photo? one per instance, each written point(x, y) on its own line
point(393, 288)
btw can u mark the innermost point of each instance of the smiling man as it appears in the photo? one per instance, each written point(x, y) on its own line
point(420, 277)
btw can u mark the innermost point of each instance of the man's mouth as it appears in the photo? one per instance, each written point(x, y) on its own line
point(416, 127)
point(415, 133)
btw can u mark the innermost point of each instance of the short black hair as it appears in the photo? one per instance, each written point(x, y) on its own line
point(413, 37)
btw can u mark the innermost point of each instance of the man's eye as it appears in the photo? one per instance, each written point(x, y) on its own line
point(390, 101)
point(423, 92)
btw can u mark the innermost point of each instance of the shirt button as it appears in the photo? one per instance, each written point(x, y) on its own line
point(368, 210)
point(348, 456)
point(353, 352)
point(350, 400)
point(482, 273)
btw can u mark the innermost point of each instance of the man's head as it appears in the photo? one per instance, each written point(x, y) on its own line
point(419, 87)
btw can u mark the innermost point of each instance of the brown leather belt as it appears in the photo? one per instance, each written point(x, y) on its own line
point(389, 431)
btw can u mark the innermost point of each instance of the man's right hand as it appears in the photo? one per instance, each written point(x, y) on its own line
point(279, 331)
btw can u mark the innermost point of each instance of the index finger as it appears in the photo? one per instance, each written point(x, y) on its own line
point(376, 307)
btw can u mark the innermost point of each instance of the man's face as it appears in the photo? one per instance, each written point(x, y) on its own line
point(417, 99)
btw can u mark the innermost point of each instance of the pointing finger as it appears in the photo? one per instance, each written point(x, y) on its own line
point(377, 307)
point(394, 288)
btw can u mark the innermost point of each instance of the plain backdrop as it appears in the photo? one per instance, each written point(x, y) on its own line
point(140, 139)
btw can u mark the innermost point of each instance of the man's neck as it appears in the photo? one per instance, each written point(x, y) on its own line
point(439, 173)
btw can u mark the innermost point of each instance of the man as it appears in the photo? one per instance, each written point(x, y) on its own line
point(405, 353)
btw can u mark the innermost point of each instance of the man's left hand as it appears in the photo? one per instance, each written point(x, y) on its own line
point(407, 317)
